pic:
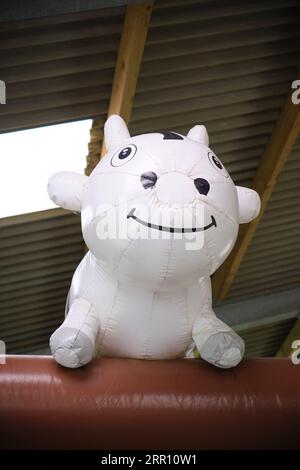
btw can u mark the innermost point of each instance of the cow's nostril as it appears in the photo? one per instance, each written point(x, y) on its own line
point(202, 186)
point(148, 179)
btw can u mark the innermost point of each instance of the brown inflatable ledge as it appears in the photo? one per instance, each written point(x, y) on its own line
point(130, 404)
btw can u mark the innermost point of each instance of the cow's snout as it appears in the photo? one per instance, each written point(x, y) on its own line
point(175, 188)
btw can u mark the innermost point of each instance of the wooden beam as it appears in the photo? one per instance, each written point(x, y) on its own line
point(282, 140)
point(286, 347)
point(131, 48)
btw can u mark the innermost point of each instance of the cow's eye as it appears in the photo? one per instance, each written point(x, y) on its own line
point(123, 156)
point(217, 164)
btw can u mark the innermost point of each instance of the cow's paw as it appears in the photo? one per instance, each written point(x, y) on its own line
point(71, 348)
point(223, 349)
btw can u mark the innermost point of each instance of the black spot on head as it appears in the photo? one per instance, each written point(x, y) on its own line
point(171, 136)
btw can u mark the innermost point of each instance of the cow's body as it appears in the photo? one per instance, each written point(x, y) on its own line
point(159, 215)
point(139, 323)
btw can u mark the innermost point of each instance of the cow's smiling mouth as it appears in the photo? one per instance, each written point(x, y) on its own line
point(171, 229)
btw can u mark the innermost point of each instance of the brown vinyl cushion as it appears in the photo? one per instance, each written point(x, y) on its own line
point(134, 404)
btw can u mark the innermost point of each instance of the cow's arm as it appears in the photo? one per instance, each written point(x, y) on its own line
point(73, 343)
point(216, 342)
point(66, 190)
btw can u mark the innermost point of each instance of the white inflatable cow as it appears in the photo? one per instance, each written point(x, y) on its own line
point(159, 215)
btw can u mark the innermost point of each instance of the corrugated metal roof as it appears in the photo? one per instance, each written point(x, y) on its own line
point(263, 338)
point(20, 10)
point(38, 255)
point(58, 68)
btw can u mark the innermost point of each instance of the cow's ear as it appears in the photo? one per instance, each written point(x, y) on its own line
point(199, 134)
point(115, 132)
point(66, 189)
point(249, 204)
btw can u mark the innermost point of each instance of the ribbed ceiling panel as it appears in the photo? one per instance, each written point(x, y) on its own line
point(38, 255)
point(58, 68)
point(265, 337)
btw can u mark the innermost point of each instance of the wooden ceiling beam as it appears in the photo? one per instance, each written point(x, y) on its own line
point(129, 58)
point(281, 143)
point(130, 53)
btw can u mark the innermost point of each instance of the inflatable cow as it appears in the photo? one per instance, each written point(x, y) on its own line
point(159, 215)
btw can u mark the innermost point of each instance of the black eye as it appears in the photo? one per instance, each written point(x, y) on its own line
point(148, 179)
point(123, 156)
point(202, 186)
point(217, 162)
point(125, 153)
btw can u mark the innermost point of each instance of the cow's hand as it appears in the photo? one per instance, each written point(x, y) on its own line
point(223, 349)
